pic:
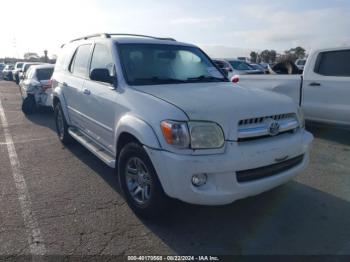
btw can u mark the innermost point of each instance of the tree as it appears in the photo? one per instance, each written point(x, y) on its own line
point(295, 53)
point(273, 56)
point(253, 57)
point(31, 56)
point(265, 56)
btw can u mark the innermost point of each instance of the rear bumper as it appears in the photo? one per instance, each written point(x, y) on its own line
point(175, 171)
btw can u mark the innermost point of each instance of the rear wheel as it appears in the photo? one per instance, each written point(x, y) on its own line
point(139, 182)
point(29, 105)
point(61, 125)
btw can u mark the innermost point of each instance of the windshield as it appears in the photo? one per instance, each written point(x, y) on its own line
point(19, 65)
point(44, 73)
point(150, 64)
point(240, 65)
point(301, 62)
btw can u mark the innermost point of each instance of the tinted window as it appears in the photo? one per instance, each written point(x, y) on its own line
point(335, 63)
point(19, 65)
point(102, 58)
point(80, 61)
point(44, 73)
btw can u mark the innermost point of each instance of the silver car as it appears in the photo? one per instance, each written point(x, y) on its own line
point(36, 88)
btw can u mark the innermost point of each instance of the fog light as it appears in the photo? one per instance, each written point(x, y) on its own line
point(199, 179)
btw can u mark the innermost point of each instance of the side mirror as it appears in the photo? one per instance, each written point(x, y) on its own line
point(101, 75)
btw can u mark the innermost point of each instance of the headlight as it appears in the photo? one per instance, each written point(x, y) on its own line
point(198, 135)
point(205, 135)
point(301, 118)
point(176, 133)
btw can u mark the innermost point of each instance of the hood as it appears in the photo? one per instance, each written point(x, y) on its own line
point(223, 103)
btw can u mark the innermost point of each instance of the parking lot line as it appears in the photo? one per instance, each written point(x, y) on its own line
point(35, 239)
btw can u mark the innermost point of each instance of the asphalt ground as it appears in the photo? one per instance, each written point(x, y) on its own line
point(76, 204)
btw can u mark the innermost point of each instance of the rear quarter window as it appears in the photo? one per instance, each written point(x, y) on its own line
point(333, 63)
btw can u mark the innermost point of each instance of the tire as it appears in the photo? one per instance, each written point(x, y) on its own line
point(29, 105)
point(61, 125)
point(157, 202)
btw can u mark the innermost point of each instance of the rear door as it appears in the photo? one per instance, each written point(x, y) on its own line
point(327, 88)
point(73, 85)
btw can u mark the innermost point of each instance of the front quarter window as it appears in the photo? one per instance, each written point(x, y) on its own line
point(149, 64)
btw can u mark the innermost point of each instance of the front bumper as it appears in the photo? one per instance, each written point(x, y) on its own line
point(175, 171)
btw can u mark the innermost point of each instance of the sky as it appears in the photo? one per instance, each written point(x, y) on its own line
point(223, 28)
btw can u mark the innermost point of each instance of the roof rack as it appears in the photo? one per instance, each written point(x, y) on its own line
point(91, 36)
point(147, 36)
point(107, 35)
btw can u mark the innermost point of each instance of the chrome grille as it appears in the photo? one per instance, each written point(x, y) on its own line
point(258, 120)
point(260, 127)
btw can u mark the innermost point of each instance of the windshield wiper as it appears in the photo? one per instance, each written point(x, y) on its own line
point(156, 79)
point(206, 78)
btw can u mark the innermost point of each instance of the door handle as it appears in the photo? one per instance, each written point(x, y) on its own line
point(315, 84)
point(86, 91)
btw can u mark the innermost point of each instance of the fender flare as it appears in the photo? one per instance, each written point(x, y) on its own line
point(139, 128)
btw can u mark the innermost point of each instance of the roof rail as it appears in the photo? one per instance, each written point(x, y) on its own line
point(91, 36)
point(147, 36)
point(107, 35)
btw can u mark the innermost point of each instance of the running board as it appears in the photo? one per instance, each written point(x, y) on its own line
point(94, 148)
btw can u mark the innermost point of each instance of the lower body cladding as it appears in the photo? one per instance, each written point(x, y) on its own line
point(245, 169)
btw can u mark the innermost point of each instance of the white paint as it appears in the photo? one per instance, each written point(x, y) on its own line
point(35, 239)
point(26, 140)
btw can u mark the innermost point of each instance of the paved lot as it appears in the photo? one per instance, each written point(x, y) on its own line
point(76, 202)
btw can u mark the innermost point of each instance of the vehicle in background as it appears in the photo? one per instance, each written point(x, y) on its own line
point(300, 63)
point(322, 91)
point(162, 113)
point(2, 66)
point(223, 65)
point(242, 68)
point(261, 68)
point(234, 67)
point(244, 59)
point(36, 89)
point(7, 72)
point(25, 68)
point(15, 72)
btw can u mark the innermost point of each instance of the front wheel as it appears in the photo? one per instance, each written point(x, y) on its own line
point(61, 125)
point(139, 182)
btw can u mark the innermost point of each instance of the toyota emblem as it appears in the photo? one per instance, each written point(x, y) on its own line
point(274, 128)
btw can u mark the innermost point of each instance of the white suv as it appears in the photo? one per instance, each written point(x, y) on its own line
point(172, 124)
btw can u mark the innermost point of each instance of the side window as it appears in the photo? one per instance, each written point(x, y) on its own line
point(102, 58)
point(80, 62)
point(334, 63)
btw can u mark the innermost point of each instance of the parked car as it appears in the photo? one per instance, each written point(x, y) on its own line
point(25, 68)
point(36, 88)
point(15, 72)
point(261, 68)
point(2, 66)
point(7, 72)
point(172, 124)
point(300, 63)
point(223, 65)
point(323, 89)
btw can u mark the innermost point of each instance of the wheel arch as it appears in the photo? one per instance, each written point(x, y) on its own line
point(133, 129)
